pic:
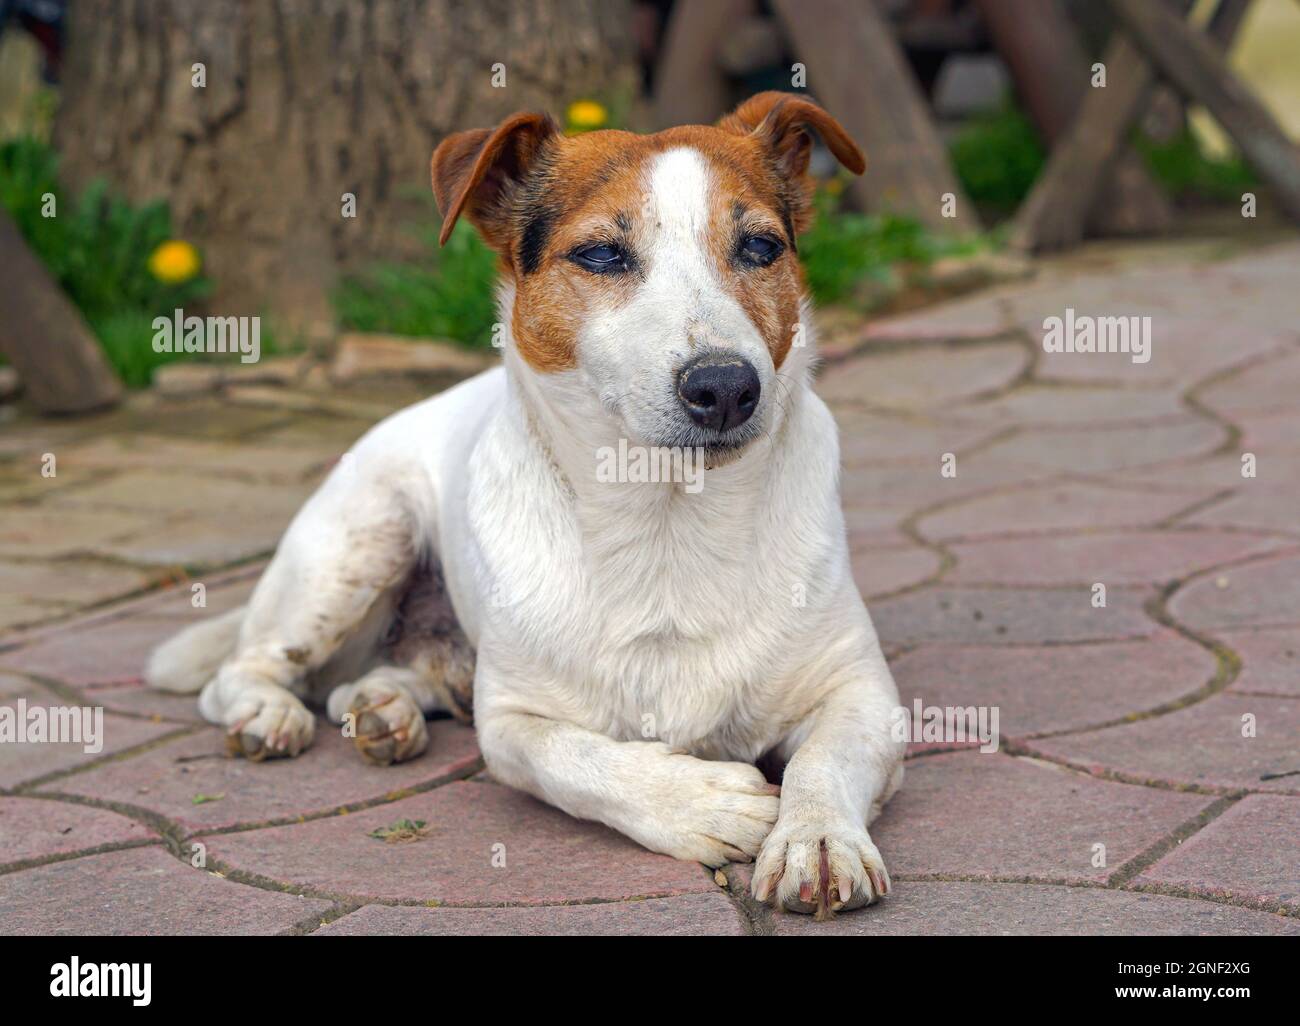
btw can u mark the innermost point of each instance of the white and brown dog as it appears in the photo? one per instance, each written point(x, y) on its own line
point(633, 648)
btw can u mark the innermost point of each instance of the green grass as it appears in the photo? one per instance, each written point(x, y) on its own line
point(97, 247)
point(449, 294)
point(997, 156)
point(1185, 170)
point(842, 248)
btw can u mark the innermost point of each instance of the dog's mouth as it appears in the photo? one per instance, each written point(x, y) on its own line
point(717, 448)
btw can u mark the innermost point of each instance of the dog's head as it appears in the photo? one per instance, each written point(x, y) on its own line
point(661, 268)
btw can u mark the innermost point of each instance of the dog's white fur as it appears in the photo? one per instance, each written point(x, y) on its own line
point(638, 647)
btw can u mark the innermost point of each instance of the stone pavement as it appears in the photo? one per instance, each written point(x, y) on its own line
point(1148, 776)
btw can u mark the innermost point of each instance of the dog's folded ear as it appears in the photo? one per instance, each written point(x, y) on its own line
point(782, 121)
point(475, 173)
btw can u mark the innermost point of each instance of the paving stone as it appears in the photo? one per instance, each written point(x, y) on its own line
point(32, 828)
point(1201, 744)
point(142, 891)
point(550, 858)
point(687, 915)
point(1058, 687)
point(976, 318)
point(70, 582)
point(1009, 616)
point(198, 541)
point(1248, 853)
point(875, 527)
point(1137, 557)
point(34, 532)
point(110, 650)
point(20, 611)
point(992, 816)
point(1057, 507)
point(330, 774)
point(884, 571)
point(135, 698)
point(1221, 473)
point(913, 487)
point(24, 762)
point(1270, 433)
point(871, 438)
point(222, 592)
point(962, 909)
point(1095, 450)
point(1270, 660)
point(1272, 384)
point(167, 495)
point(1076, 405)
point(219, 459)
point(1259, 594)
point(1260, 508)
point(925, 377)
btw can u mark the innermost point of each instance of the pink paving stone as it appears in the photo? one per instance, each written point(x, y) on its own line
point(1058, 687)
point(1258, 507)
point(1265, 593)
point(927, 908)
point(1010, 616)
point(1057, 507)
point(550, 858)
point(1269, 384)
point(21, 763)
point(924, 377)
point(142, 891)
point(914, 486)
point(1048, 405)
point(32, 828)
point(977, 318)
point(1084, 450)
point(109, 650)
point(993, 816)
point(1138, 557)
point(869, 438)
point(133, 696)
point(329, 774)
point(1270, 660)
point(1248, 853)
point(1278, 474)
point(687, 915)
point(1270, 433)
point(884, 571)
point(1201, 744)
point(876, 527)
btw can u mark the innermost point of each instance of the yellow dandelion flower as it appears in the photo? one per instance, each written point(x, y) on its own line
point(584, 115)
point(174, 261)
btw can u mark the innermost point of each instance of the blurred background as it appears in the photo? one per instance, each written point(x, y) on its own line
point(271, 158)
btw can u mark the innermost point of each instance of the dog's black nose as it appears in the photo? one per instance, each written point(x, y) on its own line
point(719, 391)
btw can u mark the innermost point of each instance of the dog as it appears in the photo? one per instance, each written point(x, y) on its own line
point(629, 649)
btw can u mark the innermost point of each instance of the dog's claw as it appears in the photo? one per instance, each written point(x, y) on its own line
point(390, 726)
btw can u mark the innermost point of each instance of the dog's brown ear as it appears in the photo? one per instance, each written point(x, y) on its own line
point(475, 172)
point(782, 121)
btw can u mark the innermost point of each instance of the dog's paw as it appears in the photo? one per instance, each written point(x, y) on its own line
point(266, 722)
point(389, 723)
point(713, 812)
point(819, 866)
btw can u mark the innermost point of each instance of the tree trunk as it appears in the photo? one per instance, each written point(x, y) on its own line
point(306, 100)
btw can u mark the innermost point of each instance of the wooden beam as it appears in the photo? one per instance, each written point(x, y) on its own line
point(858, 70)
point(58, 360)
point(691, 87)
point(1051, 71)
point(1194, 65)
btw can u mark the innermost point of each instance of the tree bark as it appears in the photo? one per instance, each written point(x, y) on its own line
point(58, 360)
point(306, 100)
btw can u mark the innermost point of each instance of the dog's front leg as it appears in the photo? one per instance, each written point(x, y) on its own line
point(843, 768)
point(664, 799)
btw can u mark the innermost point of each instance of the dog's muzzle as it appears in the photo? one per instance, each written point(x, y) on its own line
point(719, 391)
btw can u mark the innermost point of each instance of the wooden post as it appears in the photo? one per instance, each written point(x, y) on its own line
point(1194, 65)
point(858, 70)
point(58, 360)
point(690, 85)
point(1040, 46)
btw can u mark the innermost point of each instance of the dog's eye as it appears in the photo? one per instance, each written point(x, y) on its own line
point(602, 258)
point(760, 250)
